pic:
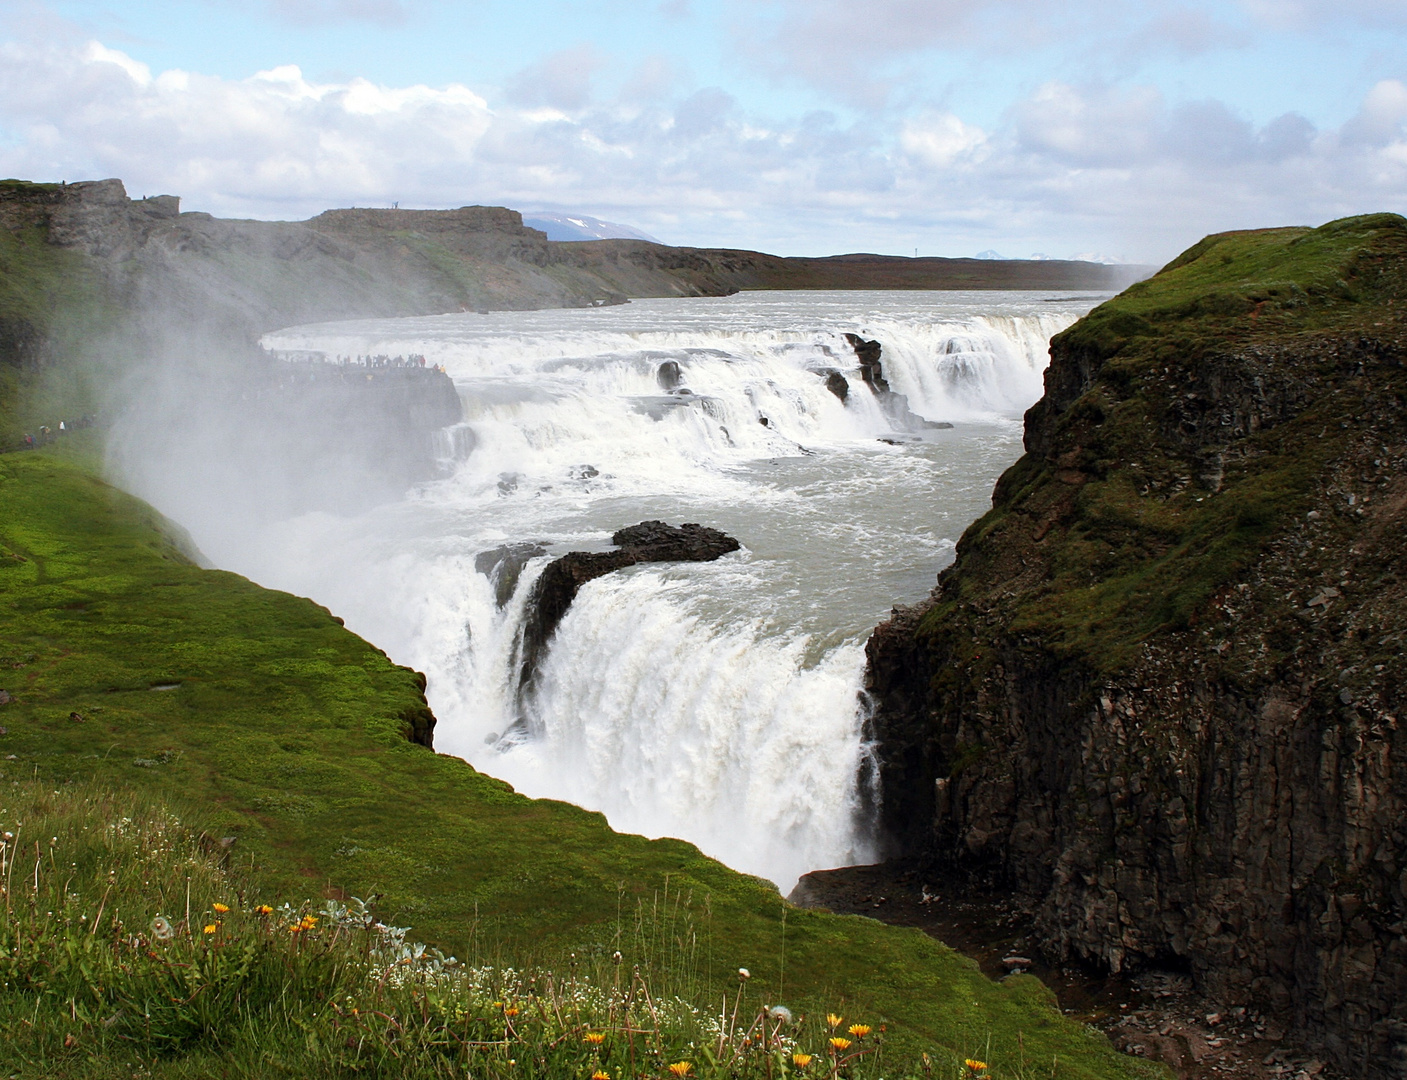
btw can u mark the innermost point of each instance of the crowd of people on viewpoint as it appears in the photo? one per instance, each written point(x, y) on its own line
point(414, 360)
point(47, 435)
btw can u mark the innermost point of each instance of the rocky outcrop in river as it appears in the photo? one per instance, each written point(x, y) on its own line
point(895, 406)
point(650, 541)
point(1160, 689)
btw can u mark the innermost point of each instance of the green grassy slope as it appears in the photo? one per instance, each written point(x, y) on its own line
point(287, 731)
point(54, 303)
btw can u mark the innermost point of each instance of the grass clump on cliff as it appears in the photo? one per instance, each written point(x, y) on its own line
point(125, 934)
point(134, 669)
point(1184, 425)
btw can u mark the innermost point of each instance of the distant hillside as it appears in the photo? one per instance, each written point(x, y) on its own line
point(91, 280)
point(248, 277)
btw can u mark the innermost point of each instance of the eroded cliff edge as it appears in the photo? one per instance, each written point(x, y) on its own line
point(1160, 688)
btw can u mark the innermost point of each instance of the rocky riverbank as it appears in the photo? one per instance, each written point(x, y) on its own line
point(1158, 694)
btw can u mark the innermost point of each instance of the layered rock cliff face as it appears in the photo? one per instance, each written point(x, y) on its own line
point(1161, 688)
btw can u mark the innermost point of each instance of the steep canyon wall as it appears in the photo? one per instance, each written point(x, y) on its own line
point(1160, 689)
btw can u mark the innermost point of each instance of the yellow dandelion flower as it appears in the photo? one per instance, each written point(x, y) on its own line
point(600, 1074)
point(859, 1030)
point(801, 1060)
point(840, 1043)
point(264, 909)
point(221, 908)
point(309, 921)
point(975, 1065)
point(212, 928)
point(593, 1038)
point(512, 1010)
point(681, 1068)
point(833, 1020)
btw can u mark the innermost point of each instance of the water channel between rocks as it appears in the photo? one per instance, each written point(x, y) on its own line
point(718, 702)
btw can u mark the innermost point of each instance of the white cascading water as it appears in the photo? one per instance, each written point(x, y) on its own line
point(719, 702)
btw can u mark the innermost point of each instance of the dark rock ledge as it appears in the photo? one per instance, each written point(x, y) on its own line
point(650, 541)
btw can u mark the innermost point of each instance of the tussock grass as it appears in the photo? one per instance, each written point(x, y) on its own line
point(132, 939)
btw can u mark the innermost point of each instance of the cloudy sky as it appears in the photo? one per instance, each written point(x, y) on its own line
point(1064, 127)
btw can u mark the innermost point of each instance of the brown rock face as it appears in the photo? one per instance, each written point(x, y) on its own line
point(1160, 690)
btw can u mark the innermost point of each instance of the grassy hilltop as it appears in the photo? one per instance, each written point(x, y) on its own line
point(54, 302)
point(1164, 502)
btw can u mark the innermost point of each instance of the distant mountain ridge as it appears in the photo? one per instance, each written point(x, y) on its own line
point(571, 228)
point(250, 277)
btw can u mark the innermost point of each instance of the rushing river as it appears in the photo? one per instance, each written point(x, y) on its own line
point(718, 702)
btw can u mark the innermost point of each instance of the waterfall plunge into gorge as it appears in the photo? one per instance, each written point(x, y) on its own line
point(717, 702)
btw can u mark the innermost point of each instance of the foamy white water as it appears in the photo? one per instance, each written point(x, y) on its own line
point(715, 702)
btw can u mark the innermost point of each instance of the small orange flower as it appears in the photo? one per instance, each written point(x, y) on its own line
point(212, 928)
point(512, 1010)
point(264, 909)
point(600, 1074)
point(221, 908)
point(833, 1020)
point(309, 921)
point(681, 1068)
point(593, 1038)
point(974, 1065)
point(839, 1043)
point(859, 1030)
point(801, 1060)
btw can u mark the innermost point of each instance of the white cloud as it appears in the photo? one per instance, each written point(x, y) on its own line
point(1070, 168)
point(1381, 117)
point(1331, 14)
point(97, 53)
point(561, 80)
point(940, 139)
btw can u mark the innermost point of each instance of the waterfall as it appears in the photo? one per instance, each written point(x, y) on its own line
point(718, 702)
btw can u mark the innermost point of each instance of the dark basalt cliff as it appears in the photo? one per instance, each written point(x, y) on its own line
point(1160, 690)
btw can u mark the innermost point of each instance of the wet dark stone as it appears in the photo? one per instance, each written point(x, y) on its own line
point(504, 565)
point(868, 353)
point(669, 376)
point(837, 384)
point(650, 541)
